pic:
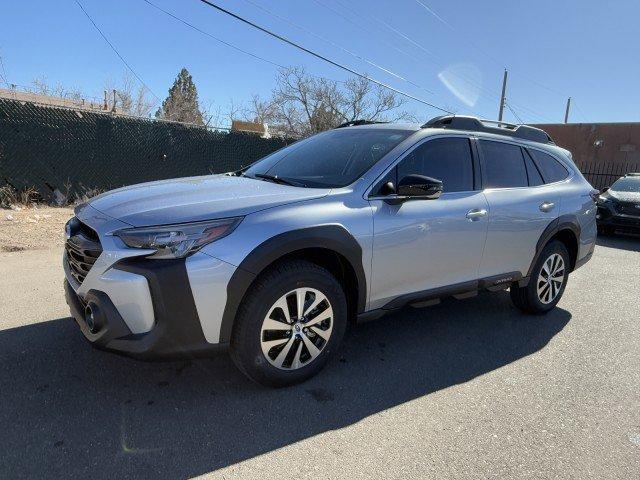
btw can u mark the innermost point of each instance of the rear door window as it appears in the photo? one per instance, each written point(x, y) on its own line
point(551, 169)
point(445, 159)
point(503, 165)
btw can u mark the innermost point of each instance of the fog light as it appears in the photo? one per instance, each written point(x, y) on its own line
point(91, 315)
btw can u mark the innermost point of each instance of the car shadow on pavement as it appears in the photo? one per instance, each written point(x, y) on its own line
point(627, 242)
point(70, 411)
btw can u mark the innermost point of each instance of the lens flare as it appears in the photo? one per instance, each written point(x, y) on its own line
point(463, 80)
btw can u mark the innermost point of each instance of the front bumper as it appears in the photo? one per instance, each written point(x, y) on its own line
point(147, 308)
point(607, 217)
point(176, 331)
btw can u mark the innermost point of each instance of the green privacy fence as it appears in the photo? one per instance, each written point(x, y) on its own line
point(72, 151)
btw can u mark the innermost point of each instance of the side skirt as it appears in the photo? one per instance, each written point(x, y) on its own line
point(433, 296)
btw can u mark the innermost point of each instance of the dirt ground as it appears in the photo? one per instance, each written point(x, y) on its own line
point(32, 228)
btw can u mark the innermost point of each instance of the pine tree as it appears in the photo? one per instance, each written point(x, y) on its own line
point(182, 103)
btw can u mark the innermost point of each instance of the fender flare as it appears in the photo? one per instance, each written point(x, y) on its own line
point(563, 222)
point(330, 237)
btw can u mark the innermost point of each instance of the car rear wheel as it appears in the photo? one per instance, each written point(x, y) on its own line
point(547, 283)
point(289, 324)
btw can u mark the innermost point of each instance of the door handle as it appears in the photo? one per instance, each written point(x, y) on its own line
point(476, 214)
point(547, 206)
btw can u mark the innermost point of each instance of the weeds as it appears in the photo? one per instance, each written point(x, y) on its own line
point(11, 198)
point(8, 196)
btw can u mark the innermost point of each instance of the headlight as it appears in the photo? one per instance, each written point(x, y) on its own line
point(177, 241)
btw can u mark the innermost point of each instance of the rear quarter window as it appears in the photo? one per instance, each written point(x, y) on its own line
point(551, 169)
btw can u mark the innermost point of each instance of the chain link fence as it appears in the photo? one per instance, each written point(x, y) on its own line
point(71, 151)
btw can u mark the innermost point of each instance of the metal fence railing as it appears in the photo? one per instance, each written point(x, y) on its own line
point(602, 175)
point(75, 150)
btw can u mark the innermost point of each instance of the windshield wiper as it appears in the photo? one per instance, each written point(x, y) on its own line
point(277, 179)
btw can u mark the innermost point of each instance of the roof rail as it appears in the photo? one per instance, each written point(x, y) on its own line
point(357, 123)
point(474, 124)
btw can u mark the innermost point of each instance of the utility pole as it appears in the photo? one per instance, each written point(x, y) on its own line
point(566, 113)
point(503, 98)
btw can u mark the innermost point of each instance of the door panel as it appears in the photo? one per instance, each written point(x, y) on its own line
point(518, 213)
point(424, 244)
point(516, 223)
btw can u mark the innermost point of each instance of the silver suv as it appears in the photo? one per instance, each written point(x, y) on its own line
point(274, 260)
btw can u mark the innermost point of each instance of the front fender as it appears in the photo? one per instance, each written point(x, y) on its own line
point(331, 237)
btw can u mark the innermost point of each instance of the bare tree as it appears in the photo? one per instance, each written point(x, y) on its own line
point(41, 86)
point(260, 111)
point(302, 105)
point(131, 98)
point(212, 114)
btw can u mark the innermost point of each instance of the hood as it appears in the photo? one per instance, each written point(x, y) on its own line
point(633, 197)
point(197, 198)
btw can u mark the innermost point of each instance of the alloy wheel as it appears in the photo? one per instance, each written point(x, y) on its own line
point(296, 328)
point(551, 278)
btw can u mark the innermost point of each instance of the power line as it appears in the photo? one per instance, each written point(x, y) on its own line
point(514, 112)
point(258, 57)
point(321, 57)
point(228, 44)
point(491, 57)
point(434, 14)
point(331, 42)
point(390, 27)
point(347, 19)
point(487, 92)
point(577, 107)
point(438, 63)
point(116, 50)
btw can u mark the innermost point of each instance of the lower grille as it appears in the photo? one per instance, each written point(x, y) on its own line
point(83, 249)
point(628, 208)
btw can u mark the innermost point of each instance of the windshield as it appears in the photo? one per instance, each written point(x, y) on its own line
point(627, 184)
point(331, 159)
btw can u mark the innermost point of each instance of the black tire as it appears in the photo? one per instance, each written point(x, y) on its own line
point(246, 350)
point(527, 298)
point(605, 230)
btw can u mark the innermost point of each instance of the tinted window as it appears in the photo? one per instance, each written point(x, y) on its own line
point(503, 165)
point(446, 159)
point(626, 184)
point(331, 159)
point(533, 173)
point(551, 169)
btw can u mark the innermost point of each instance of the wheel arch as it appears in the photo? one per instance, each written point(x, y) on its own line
point(329, 246)
point(566, 229)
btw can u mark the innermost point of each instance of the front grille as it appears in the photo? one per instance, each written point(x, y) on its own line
point(627, 208)
point(83, 249)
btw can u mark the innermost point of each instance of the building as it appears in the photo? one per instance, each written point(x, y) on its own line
point(603, 151)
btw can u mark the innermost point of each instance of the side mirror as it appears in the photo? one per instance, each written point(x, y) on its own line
point(419, 187)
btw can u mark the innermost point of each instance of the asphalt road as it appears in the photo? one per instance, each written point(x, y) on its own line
point(466, 389)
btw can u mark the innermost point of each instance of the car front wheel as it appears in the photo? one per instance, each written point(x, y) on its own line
point(289, 324)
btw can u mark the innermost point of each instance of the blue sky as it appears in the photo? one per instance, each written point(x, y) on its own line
point(586, 49)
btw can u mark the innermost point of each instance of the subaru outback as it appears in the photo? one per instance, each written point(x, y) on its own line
point(273, 261)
